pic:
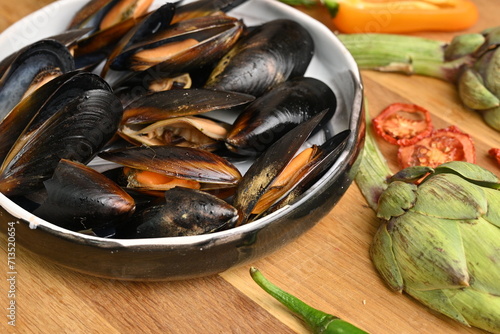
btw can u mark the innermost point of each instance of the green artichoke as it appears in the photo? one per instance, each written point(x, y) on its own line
point(440, 241)
point(471, 61)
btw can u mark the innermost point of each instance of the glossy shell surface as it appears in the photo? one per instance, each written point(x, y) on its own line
point(195, 256)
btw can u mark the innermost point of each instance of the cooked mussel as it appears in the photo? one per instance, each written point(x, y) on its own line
point(266, 168)
point(304, 169)
point(189, 131)
point(76, 129)
point(174, 103)
point(270, 54)
point(183, 212)
point(31, 68)
point(163, 167)
point(79, 198)
point(102, 14)
point(273, 114)
point(183, 46)
point(36, 108)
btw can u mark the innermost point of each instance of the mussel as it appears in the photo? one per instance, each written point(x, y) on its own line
point(79, 198)
point(270, 54)
point(31, 68)
point(266, 168)
point(183, 212)
point(36, 108)
point(276, 112)
point(72, 124)
point(182, 47)
point(102, 14)
point(164, 167)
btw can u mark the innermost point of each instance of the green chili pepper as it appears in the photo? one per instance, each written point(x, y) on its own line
point(318, 321)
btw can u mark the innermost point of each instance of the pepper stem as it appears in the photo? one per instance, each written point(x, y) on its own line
point(318, 321)
point(404, 54)
point(373, 170)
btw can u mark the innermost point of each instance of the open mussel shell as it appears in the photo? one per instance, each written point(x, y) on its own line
point(177, 162)
point(266, 168)
point(300, 174)
point(270, 54)
point(159, 106)
point(79, 198)
point(76, 131)
point(190, 131)
point(41, 61)
point(199, 8)
point(276, 112)
point(151, 24)
point(68, 38)
point(102, 14)
point(36, 108)
point(187, 46)
point(183, 212)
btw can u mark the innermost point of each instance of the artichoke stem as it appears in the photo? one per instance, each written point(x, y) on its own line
point(403, 54)
point(374, 170)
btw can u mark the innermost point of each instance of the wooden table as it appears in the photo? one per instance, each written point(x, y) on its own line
point(328, 267)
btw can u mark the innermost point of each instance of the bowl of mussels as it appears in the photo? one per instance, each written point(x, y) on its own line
point(172, 140)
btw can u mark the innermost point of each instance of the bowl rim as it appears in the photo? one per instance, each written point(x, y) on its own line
point(233, 233)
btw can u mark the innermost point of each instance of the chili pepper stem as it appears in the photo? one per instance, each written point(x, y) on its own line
point(404, 54)
point(318, 321)
point(373, 170)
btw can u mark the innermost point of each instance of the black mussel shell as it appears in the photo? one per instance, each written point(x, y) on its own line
point(77, 131)
point(38, 59)
point(276, 112)
point(180, 102)
point(80, 198)
point(269, 165)
point(268, 55)
point(36, 108)
point(185, 46)
point(101, 14)
point(68, 38)
point(324, 157)
point(179, 162)
point(198, 8)
point(184, 212)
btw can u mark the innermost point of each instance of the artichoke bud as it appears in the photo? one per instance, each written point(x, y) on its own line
point(440, 242)
point(479, 86)
point(473, 93)
point(463, 45)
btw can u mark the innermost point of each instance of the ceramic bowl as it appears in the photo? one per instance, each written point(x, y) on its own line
point(195, 256)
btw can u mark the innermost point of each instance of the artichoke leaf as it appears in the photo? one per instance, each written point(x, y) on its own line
point(429, 252)
point(480, 240)
point(473, 92)
point(450, 196)
point(493, 213)
point(480, 309)
point(471, 172)
point(437, 300)
point(396, 199)
point(384, 260)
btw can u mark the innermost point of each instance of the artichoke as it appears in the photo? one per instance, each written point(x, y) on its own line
point(439, 240)
point(470, 61)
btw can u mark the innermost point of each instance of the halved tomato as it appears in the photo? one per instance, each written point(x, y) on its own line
point(495, 154)
point(403, 124)
point(443, 145)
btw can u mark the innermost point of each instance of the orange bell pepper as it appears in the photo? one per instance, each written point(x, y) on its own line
point(401, 16)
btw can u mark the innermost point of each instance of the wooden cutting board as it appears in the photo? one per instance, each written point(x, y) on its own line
point(328, 267)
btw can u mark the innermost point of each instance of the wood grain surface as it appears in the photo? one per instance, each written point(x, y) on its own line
point(328, 267)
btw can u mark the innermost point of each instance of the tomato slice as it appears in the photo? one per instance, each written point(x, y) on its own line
point(443, 145)
point(495, 154)
point(403, 124)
